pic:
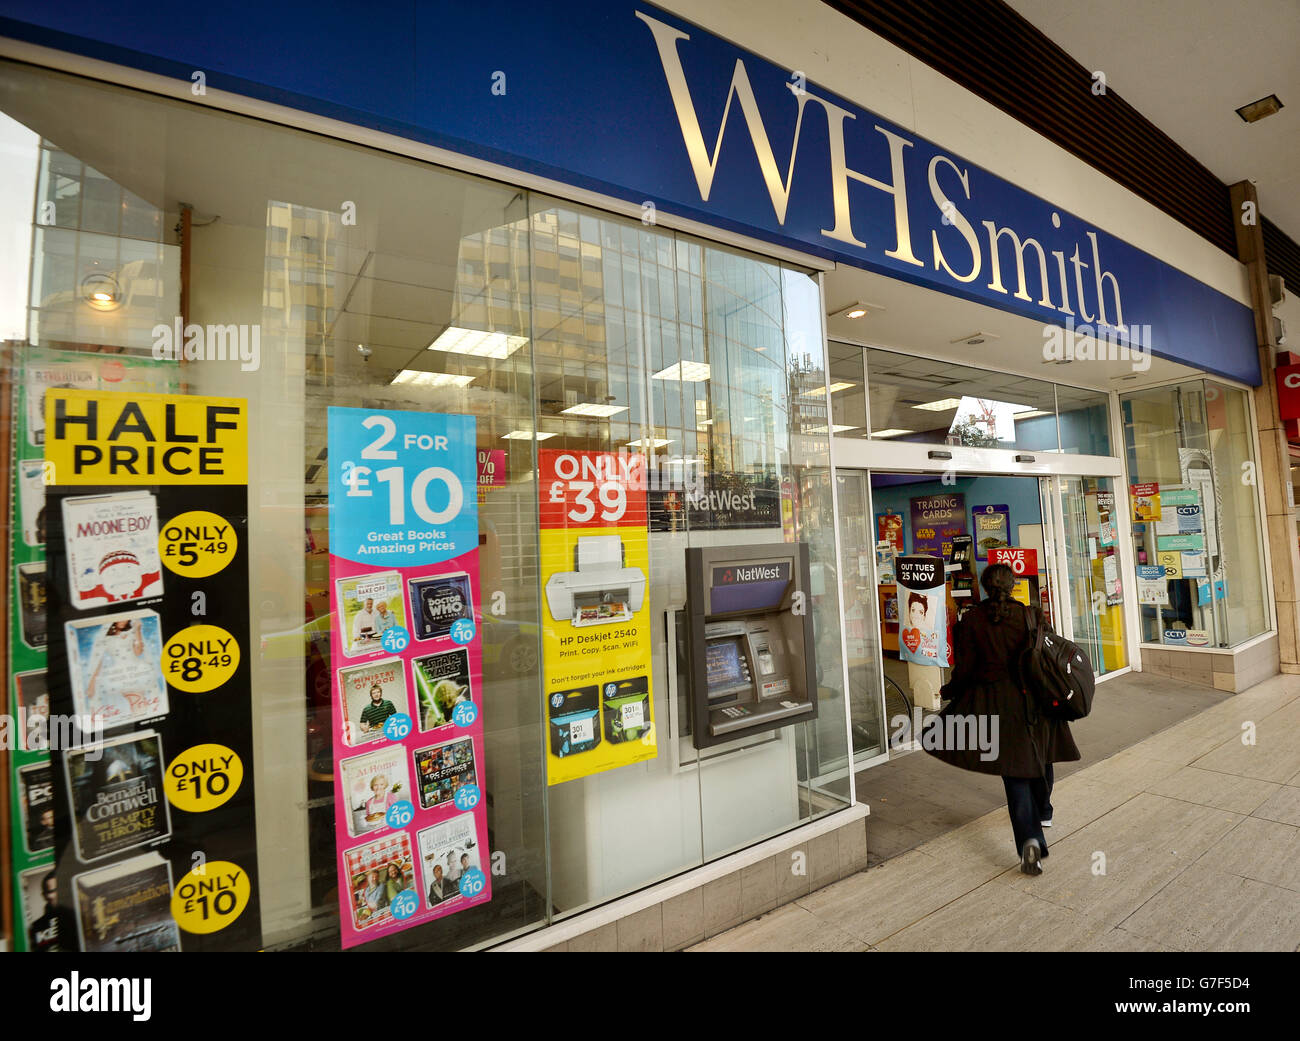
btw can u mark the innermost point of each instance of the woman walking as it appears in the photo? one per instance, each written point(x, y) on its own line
point(986, 682)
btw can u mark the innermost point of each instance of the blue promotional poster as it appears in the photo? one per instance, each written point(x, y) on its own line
point(410, 819)
point(923, 611)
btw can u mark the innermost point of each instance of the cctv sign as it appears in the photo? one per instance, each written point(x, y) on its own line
point(1021, 561)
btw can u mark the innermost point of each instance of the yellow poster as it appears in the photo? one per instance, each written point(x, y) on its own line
point(1172, 562)
point(595, 560)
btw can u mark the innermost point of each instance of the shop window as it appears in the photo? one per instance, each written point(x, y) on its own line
point(1195, 520)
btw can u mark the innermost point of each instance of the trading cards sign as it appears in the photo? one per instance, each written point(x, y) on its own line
point(146, 516)
point(410, 814)
point(596, 632)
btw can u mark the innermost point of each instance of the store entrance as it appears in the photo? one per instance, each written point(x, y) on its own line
point(1057, 533)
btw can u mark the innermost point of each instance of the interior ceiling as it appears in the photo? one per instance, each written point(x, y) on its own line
point(1187, 67)
point(911, 319)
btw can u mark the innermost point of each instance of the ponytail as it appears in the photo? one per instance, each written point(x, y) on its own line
point(998, 580)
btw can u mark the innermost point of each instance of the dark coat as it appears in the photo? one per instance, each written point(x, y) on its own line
point(984, 683)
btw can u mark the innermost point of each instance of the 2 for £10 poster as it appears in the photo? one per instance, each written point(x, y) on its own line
point(410, 817)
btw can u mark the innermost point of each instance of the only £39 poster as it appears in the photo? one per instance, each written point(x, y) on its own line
point(410, 815)
point(596, 622)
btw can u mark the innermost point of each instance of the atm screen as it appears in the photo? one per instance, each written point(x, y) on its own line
point(722, 663)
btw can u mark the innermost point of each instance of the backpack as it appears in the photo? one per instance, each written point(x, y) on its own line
point(1056, 673)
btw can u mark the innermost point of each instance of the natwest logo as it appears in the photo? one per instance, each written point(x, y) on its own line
point(750, 573)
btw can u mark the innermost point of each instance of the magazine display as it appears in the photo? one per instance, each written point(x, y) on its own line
point(36, 797)
point(127, 906)
point(441, 683)
point(376, 873)
point(112, 546)
point(441, 769)
point(116, 666)
point(31, 500)
point(33, 705)
point(374, 782)
point(118, 800)
point(438, 603)
point(370, 605)
point(447, 851)
point(370, 693)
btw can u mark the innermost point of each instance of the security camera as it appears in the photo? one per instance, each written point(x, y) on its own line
point(363, 350)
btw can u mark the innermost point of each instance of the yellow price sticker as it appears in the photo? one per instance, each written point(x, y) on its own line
point(200, 658)
point(197, 544)
point(203, 777)
point(211, 896)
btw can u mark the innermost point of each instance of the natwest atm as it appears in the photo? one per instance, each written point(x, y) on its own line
point(749, 640)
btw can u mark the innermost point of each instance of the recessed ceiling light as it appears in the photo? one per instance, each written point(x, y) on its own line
point(526, 435)
point(649, 442)
point(686, 371)
point(943, 405)
point(589, 408)
point(477, 342)
point(858, 309)
point(836, 428)
point(835, 389)
point(1257, 110)
point(891, 432)
point(418, 378)
point(975, 339)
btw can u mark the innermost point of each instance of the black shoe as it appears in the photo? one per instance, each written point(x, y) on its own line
point(1030, 857)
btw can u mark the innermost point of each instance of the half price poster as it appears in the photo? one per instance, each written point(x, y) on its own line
point(596, 624)
point(147, 520)
point(410, 816)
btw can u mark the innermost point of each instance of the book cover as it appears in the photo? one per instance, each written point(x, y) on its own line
point(50, 926)
point(441, 769)
point(372, 783)
point(127, 906)
point(116, 794)
point(441, 683)
point(370, 604)
point(32, 701)
point(376, 873)
point(112, 546)
point(447, 851)
point(31, 500)
point(70, 375)
point(36, 797)
point(115, 662)
point(438, 602)
point(369, 694)
point(31, 604)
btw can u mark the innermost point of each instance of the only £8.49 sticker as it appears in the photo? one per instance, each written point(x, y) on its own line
point(197, 544)
point(200, 658)
point(210, 897)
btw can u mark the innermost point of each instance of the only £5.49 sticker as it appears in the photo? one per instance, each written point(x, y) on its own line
point(211, 896)
point(197, 544)
point(200, 658)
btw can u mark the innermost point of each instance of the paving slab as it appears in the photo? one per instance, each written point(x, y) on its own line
point(789, 928)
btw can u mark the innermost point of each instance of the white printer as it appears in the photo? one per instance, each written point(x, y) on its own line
point(600, 589)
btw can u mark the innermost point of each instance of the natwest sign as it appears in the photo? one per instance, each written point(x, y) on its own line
point(1288, 391)
point(1021, 561)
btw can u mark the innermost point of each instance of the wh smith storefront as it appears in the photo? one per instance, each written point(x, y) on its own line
point(702, 329)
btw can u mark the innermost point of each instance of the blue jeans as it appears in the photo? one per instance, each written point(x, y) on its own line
point(1029, 802)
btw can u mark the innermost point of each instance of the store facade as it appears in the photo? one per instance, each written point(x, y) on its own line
point(545, 373)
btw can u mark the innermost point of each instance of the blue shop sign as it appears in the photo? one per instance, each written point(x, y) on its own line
point(630, 101)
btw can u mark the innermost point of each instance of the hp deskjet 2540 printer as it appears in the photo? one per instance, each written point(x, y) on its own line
point(600, 589)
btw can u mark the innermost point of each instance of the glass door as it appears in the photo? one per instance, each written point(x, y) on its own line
point(862, 631)
point(1089, 598)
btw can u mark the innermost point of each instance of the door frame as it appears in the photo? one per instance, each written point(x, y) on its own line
point(872, 457)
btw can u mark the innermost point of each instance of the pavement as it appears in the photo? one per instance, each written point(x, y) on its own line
point(1187, 840)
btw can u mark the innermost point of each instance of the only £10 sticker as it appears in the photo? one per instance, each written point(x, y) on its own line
point(200, 658)
point(203, 777)
point(197, 544)
point(211, 896)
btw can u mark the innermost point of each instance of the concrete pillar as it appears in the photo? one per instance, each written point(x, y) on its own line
point(1274, 454)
